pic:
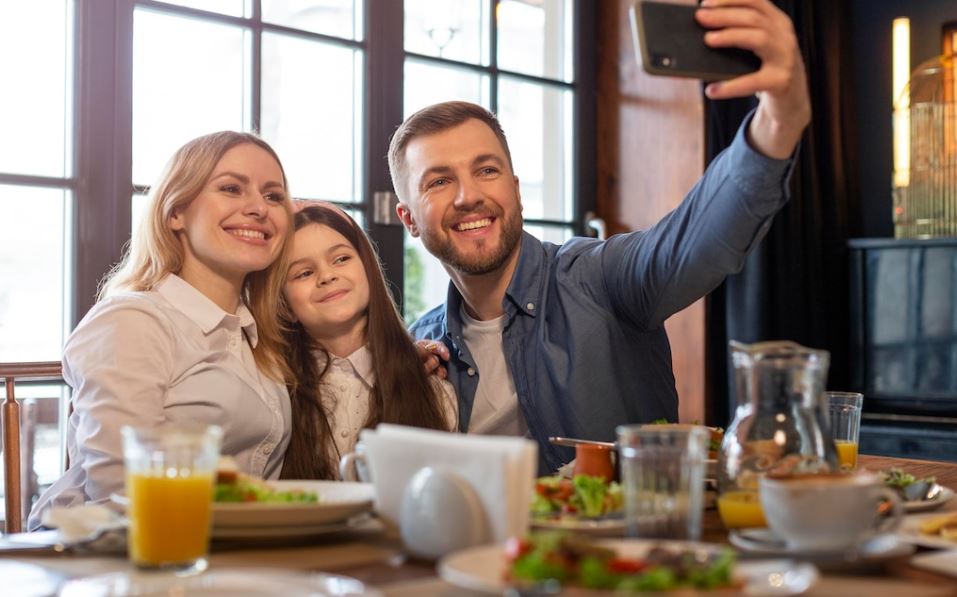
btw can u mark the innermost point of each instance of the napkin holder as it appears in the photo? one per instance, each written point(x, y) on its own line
point(499, 471)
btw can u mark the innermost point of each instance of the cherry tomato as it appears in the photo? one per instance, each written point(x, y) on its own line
point(626, 566)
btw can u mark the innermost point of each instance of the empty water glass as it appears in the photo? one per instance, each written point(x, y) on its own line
point(662, 474)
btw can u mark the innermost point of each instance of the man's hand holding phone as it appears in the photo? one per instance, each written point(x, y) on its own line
point(784, 107)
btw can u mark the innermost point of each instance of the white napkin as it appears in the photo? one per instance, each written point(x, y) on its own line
point(93, 525)
point(500, 469)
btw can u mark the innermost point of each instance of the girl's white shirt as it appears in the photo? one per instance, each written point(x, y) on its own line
point(164, 357)
point(346, 393)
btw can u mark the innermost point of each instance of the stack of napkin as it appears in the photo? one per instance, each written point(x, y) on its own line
point(501, 470)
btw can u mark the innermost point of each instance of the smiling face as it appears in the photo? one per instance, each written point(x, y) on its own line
point(464, 200)
point(237, 222)
point(327, 288)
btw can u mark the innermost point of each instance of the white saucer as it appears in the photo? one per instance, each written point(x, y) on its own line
point(765, 543)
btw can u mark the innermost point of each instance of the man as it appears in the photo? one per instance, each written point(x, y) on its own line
point(569, 340)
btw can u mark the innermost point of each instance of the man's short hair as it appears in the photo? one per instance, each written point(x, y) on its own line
point(429, 121)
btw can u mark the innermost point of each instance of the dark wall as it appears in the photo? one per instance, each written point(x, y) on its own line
point(871, 31)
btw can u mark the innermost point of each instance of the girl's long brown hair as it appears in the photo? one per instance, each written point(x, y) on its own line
point(403, 392)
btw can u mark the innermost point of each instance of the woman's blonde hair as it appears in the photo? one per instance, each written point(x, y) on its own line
point(154, 251)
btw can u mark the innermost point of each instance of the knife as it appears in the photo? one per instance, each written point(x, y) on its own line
point(572, 442)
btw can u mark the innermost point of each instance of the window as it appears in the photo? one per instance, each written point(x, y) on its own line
point(515, 57)
point(115, 86)
point(37, 199)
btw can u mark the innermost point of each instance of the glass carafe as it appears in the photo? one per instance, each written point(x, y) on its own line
point(780, 425)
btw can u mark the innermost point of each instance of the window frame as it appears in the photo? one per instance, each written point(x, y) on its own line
point(102, 182)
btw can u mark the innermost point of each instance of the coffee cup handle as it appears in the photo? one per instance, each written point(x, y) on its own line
point(347, 466)
point(891, 523)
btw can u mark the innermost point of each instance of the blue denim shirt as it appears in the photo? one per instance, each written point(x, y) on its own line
point(584, 333)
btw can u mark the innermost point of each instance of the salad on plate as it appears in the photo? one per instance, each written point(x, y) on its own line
point(573, 561)
point(581, 497)
point(233, 486)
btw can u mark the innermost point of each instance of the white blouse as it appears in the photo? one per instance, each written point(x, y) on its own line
point(346, 392)
point(162, 357)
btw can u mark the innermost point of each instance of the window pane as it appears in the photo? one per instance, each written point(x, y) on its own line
point(538, 123)
point(535, 38)
point(311, 114)
point(453, 29)
point(235, 8)
point(427, 84)
point(190, 77)
point(36, 49)
point(33, 300)
point(342, 18)
point(426, 283)
point(137, 210)
point(552, 234)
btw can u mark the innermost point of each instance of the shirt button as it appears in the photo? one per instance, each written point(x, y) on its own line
point(342, 388)
point(344, 434)
point(267, 450)
point(471, 372)
point(530, 306)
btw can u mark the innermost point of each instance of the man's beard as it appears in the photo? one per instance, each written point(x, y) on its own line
point(476, 264)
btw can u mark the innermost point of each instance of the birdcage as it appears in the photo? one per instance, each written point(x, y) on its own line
point(925, 161)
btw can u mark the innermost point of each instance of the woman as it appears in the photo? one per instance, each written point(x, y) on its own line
point(184, 330)
point(355, 363)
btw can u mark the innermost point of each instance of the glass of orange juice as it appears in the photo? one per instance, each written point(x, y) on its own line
point(169, 485)
point(844, 409)
point(741, 509)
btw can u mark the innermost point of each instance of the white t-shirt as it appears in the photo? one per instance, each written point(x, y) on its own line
point(495, 410)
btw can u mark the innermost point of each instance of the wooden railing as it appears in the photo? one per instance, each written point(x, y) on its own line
point(12, 373)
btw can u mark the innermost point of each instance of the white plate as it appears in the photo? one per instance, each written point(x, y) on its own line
point(599, 527)
point(278, 532)
point(764, 542)
point(942, 562)
point(910, 531)
point(249, 582)
point(338, 501)
point(946, 493)
point(482, 568)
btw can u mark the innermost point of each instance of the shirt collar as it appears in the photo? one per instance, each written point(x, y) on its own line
point(360, 362)
point(200, 309)
point(524, 290)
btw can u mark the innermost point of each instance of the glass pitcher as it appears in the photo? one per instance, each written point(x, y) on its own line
point(780, 425)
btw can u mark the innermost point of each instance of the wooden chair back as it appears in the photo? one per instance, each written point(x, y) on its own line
point(12, 373)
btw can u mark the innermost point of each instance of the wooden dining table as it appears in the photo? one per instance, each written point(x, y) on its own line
point(374, 556)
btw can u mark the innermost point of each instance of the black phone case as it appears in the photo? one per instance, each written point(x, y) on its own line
point(670, 42)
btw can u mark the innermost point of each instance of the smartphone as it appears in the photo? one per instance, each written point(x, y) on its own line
point(670, 42)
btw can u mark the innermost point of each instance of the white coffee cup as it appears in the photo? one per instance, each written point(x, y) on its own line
point(354, 467)
point(828, 511)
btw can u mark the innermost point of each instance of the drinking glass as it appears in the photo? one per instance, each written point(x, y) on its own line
point(845, 412)
point(662, 473)
point(169, 485)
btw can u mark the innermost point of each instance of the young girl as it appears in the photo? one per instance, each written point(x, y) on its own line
point(185, 329)
point(356, 364)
